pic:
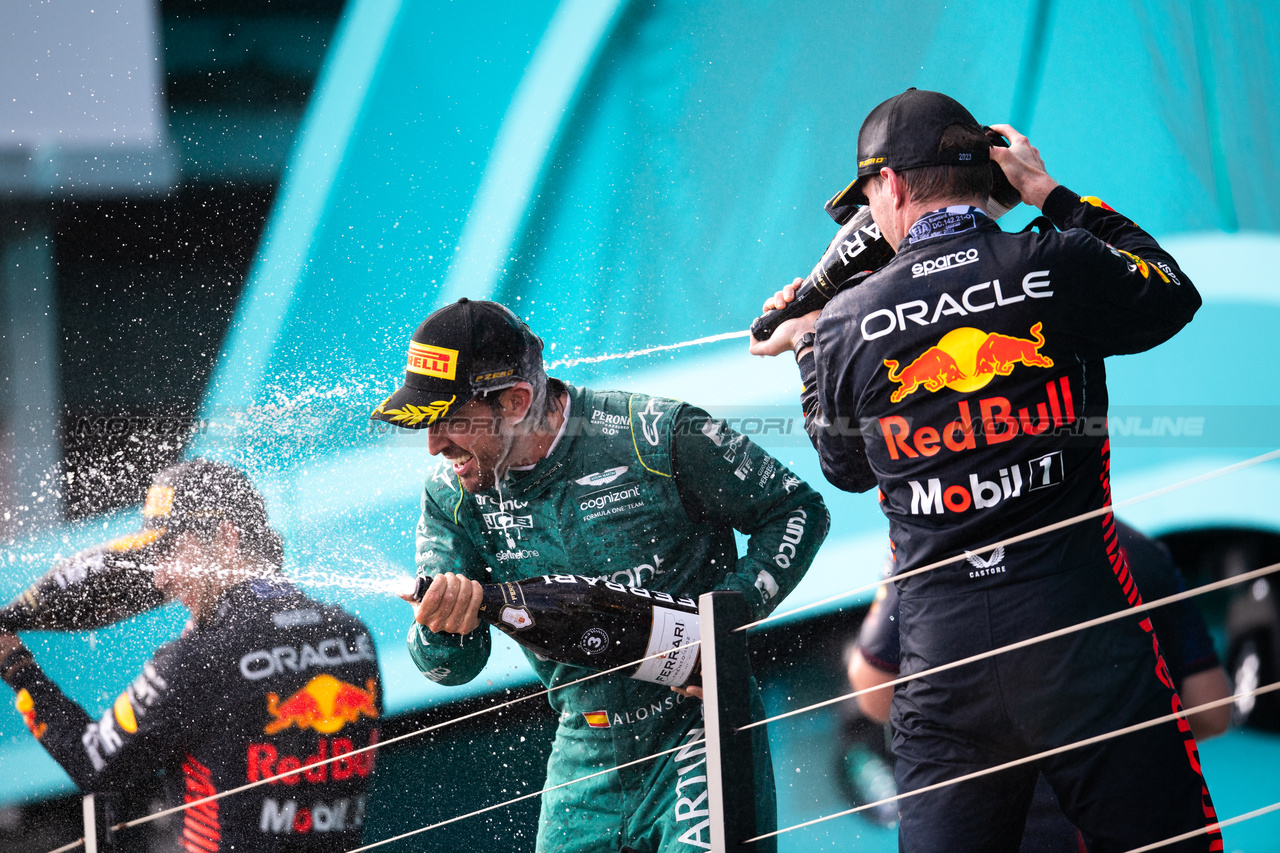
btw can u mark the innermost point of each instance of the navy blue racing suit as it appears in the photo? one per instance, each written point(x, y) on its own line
point(1184, 637)
point(966, 380)
point(271, 682)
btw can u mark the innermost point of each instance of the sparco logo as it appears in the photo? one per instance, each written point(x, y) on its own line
point(946, 262)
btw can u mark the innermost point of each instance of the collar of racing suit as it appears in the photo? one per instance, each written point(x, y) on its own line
point(534, 481)
point(945, 222)
point(236, 598)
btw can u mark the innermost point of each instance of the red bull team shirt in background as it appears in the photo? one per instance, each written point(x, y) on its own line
point(271, 682)
point(973, 364)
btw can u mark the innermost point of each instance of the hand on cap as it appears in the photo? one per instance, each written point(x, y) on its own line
point(1022, 165)
point(788, 332)
point(451, 605)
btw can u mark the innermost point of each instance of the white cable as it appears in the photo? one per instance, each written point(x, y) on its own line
point(78, 843)
point(1021, 537)
point(1243, 578)
point(426, 730)
point(1257, 460)
point(1195, 834)
point(682, 746)
point(1216, 703)
point(594, 359)
point(1031, 641)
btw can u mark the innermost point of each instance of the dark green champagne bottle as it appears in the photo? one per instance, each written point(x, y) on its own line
point(597, 624)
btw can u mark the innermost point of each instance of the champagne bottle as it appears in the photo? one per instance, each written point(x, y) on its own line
point(90, 589)
point(597, 624)
point(857, 247)
point(1004, 196)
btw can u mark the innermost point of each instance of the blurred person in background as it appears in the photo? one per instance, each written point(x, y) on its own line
point(263, 681)
point(542, 478)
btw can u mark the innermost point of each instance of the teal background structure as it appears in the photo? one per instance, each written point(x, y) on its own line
point(625, 174)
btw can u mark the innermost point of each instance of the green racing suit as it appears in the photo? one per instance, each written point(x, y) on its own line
point(647, 492)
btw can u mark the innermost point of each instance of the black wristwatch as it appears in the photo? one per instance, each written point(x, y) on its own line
point(806, 341)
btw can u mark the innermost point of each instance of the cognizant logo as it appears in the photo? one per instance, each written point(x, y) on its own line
point(602, 500)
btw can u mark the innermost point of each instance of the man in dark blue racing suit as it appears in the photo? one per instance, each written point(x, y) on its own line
point(966, 379)
point(263, 681)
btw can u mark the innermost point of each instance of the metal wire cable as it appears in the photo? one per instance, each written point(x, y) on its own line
point(682, 746)
point(1189, 835)
point(1115, 733)
point(74, 845)
point(1030, 641)
point(1257, 460)
point(1031, 534)
point(1201, 590)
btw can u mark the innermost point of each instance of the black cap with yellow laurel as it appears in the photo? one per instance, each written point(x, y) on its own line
point(463, 349)
point(903, 133)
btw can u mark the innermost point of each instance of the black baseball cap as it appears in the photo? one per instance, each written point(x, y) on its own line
point(198, 495)
point(464, 349)
point(903, 133)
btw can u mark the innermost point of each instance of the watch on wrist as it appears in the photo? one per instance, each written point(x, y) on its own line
point(805, 342)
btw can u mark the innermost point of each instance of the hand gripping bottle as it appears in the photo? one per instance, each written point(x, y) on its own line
point(597, 624)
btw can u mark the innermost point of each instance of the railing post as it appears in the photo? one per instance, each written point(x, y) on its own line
point(726, 685)
point(99, 816)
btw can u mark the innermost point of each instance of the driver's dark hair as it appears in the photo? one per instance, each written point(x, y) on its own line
point(547, 391)
point(936, 183)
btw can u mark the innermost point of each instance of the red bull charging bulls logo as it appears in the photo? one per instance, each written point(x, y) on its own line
point(966, 359)
point(324, 704)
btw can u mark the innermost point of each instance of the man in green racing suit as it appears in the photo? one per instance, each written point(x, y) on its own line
point(543, 478)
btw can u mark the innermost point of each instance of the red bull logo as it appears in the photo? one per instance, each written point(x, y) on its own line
point(965, 360)
point(335, 759)
point(325, 704)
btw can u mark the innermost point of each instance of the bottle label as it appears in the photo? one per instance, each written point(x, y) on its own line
point(516, 617)
point(639, 591)
point(675, 632)
point(594, 641)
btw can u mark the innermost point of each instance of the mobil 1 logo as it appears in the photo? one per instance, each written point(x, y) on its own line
point(979, 492)
point(1045, 471)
